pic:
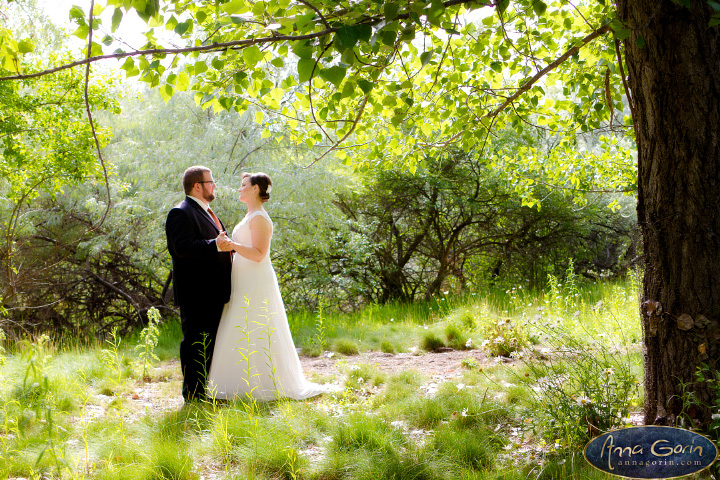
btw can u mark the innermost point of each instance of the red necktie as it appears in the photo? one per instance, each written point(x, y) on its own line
point(215, 219)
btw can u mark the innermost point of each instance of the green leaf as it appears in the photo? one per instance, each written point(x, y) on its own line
point(346, 37)
point(622, 34)
point(305, 68)
point(539, 7)
point(388, 37)
point(364, 32)
point(365, 86)
point(425, 58)
point(95, 50)
point(252, 55)
point(77, 14)
point(640, 41)
point(348, 90)
point(81, 32)
point(407, 34)
point(183, 27)
point(714, 21)
point(166, 92)
point(25, 46)
point(200, 67)
point(236, 6)
point(116, 18)
point(391, 10)
point(496, 66)
point(334, 75)
point(502, 5)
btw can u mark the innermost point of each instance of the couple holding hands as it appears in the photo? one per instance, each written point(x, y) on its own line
point(236, 339)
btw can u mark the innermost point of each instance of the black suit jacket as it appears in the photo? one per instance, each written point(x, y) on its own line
point(201, 274)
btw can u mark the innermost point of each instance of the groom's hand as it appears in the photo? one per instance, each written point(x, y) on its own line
point(223, 242)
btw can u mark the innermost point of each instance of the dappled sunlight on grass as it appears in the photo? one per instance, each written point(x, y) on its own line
point(72, 412)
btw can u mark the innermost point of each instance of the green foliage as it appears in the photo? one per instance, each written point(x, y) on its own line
point(504, 337)
point(431, 341)
point(582, 391)
point(469, 363)
point(148, 341)
point(395, 68)
point(346, 346)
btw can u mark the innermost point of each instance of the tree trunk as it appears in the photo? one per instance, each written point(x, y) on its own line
point(674, 80)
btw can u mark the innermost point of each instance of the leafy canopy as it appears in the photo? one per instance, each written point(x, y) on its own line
point(387, 81)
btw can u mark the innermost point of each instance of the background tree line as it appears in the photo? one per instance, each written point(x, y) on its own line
point(343, 237)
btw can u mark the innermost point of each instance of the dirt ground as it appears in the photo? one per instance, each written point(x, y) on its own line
point(163, 394)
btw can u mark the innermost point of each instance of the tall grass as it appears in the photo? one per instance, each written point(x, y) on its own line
point(75, 411)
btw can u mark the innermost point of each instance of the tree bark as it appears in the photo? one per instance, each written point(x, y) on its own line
point(674, 81)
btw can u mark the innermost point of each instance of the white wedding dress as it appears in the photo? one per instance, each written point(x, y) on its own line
point(254, 351)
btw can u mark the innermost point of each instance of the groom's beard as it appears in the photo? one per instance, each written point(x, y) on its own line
point(208, 196)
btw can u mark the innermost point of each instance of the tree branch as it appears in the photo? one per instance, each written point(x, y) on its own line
point(525, 87)
point(92, 123)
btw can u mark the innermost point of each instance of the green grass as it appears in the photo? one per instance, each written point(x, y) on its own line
point(67, 409)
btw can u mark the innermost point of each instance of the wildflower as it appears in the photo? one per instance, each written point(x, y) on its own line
point(412, 349)
point(464, 412)
point(392, 319)
point(425, 326)
point(583, 401)
point(355, 367)
point(468, 344)
point(330, 354)
point(361, 380)
point(445, 293)
point(715, 416)
point(609, 371)
point(460, 386)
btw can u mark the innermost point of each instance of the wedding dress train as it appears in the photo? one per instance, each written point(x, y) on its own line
point(254, 350)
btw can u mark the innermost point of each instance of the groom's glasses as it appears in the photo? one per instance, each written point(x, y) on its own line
point(207, 181)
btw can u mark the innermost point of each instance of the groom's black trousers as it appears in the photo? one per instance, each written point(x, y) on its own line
point(199, 327)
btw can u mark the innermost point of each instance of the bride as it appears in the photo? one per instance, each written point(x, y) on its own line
point(254, 352)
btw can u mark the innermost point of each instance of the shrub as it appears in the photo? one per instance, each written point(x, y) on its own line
point(581, 392)
point(431, 342)
point(346, 347)
point(387, 347)
point(502, 338)
point(456, 339)
point(469, 363)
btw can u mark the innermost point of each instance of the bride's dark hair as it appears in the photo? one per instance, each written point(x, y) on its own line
point(263, 181)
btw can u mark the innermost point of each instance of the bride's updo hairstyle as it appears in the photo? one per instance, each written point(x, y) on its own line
point(263, 181)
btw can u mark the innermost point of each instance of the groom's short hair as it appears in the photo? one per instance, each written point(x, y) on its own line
point(192, 176)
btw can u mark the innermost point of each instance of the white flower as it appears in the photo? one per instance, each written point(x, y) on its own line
point(425, 327)
point(715, 416)
point(361, 380)
point(468, 344)
point(464, 412)
point(583, 401)
point(355, 367)
point(460, 386)
point(330, 354)
point(392, 319)
point(412, 349)
point(445, 293)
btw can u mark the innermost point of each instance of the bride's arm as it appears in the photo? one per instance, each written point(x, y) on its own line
point(260, 231)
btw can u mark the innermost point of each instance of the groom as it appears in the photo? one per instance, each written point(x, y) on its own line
point(201, 276)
